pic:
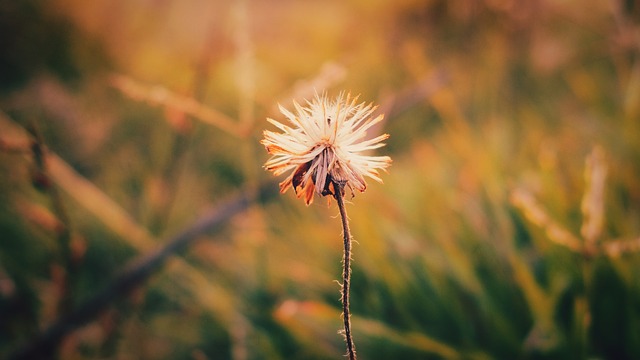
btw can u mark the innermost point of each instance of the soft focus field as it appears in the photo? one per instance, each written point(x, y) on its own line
point(508, 226)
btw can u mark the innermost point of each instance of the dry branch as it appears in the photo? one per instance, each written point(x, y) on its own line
point(137, 272)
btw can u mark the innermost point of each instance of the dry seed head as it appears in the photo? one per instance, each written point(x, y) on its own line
point(323, 143)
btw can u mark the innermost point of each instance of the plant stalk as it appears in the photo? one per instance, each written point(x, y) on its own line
point(346, 269)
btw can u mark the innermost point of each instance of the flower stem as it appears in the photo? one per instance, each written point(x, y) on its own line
point(346, 269)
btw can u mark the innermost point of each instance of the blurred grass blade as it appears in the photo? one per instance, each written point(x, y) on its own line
point(116, 219)
point(89, 196)
point(595, 175)
point(98, 203)
point(524, 201)
point(160, 96)
point(133, 275)
point(616, 248)
point(311, 319)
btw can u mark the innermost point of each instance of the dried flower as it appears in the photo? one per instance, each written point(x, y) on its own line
point(325, 145)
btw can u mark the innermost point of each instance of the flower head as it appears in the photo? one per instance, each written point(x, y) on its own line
point(325, 144)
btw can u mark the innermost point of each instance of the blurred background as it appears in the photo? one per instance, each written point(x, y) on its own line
point(508, 226)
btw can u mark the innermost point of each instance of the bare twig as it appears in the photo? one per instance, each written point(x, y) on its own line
point(42, 180)
point(136, 273)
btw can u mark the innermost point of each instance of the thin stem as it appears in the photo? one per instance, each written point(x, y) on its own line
point(346, 269)
point(45, 344)
point(43, 182)
point(584, 305)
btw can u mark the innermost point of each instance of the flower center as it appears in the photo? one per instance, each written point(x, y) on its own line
point(326, 142)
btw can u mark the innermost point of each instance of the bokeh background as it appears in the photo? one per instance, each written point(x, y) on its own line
point(508, 226)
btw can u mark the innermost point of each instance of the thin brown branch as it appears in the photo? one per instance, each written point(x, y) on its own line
point(137, 272)
point(42, 180)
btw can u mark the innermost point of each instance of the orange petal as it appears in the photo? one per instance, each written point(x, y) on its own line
point(299, 174)
point(308, 192)
point(285, 184)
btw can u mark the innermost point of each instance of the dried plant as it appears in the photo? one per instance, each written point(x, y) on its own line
point(324, 149)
